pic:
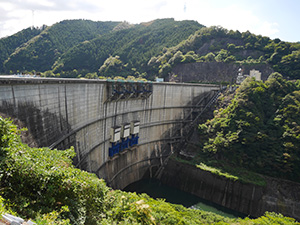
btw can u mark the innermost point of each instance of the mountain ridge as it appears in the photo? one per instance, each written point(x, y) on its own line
point(40, 52)
point(77, 48)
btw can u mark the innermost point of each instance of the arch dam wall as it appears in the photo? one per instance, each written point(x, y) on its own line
point(60, 113)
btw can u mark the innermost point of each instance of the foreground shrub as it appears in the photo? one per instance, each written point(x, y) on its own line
point(42, 184)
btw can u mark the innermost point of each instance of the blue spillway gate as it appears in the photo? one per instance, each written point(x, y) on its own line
point(117, 147)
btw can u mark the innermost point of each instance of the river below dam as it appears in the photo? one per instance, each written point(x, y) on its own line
point(155, 189)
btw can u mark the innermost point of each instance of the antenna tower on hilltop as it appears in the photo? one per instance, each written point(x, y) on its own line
point(32, 19)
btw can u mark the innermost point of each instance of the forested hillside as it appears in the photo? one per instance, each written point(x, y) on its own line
point(82, 48)
point(216, 44)
point(40, 51)
point(126, 52)
point(259, 130)
point(9, 44)
point(74, 47)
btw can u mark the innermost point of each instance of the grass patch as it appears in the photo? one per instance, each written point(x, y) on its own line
point(236, 174)
point(225, 170)
point(216, 171)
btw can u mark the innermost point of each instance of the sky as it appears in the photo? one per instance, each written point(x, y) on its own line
point(272, 18)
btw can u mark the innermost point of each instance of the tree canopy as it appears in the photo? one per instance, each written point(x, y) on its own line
point(259, 130)
point(222, 45)
point(147, 49)
point(43, 185)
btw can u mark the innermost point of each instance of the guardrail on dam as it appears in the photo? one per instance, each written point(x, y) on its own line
point(119, 129)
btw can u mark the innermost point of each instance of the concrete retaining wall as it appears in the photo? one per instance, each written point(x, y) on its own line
point(70, 112)
point(279, 196)
point(216, 71)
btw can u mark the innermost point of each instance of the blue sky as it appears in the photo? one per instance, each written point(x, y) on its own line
point(272, 18)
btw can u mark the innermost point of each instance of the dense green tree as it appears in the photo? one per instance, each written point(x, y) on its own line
point(165, 70)
point(91, 76)
point(41, 51)
point(189, 57)
point(230, 59)
point(230, 47)
point(9, 44)
point(210, 57)
point(259, 130)
point(222, 55)
point(143, 48)
point(48, 73)
point(176, 58)
point(233, 46)
point(135, 46)
point(112, 66)
point(290, 64)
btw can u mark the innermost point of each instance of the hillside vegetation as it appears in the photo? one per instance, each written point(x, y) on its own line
point(42, 50)
point(10, 44)
point(82, 48)
point(221, 45)
point(127, 51)
point(42, 184)
point(75, 47)
point(258, 131)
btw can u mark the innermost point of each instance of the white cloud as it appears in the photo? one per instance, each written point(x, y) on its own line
point(7, 6)
point(42, 3)
point(17, 14)
point(267, 29)
point(231, 17)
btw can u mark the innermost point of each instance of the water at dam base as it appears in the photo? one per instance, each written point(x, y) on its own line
point(155, 189)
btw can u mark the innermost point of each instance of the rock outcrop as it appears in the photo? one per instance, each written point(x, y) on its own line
point(208, 72)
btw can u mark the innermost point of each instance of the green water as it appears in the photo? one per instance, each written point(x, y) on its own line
point(157, 190)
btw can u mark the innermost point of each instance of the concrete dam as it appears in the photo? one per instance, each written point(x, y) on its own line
point(120, 130)
point(125, 131)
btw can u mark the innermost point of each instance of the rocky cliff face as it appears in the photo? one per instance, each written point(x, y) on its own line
point(207, 72)
point(279, 196)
